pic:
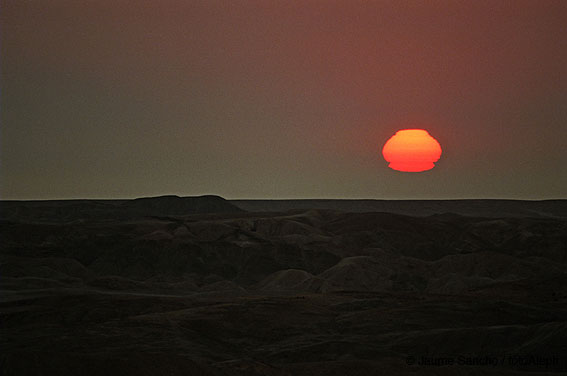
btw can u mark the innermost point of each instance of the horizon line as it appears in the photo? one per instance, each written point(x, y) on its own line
point(286, 199)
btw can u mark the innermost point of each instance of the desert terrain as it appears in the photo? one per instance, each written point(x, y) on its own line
point(206, 286)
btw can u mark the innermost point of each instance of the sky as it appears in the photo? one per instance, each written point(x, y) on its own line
point(281, 99)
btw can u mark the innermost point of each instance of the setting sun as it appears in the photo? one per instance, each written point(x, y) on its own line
point(412, 150)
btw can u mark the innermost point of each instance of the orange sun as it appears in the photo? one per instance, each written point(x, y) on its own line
point(412, 150)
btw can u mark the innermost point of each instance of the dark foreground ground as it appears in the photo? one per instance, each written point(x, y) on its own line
point(172, 286)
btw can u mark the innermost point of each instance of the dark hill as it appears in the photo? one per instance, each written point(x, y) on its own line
point(175, 205)
point(151, 287)
point(62, 211)
point(419, 208)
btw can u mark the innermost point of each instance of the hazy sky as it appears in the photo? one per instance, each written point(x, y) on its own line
point(281, 99)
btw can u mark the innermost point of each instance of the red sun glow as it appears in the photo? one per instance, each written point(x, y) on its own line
point(412, 150)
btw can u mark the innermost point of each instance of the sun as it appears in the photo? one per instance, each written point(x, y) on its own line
point(412, 150)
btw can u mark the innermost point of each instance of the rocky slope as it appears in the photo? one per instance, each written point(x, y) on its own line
point(303, 292)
